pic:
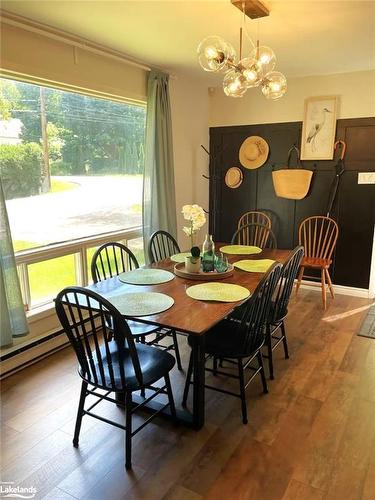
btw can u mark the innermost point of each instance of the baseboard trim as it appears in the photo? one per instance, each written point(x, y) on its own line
point(339, 289)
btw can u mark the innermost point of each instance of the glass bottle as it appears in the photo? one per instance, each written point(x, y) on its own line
point(208, 250)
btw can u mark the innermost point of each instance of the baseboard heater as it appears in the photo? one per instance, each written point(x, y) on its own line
point(32, 345)
point(23, 350)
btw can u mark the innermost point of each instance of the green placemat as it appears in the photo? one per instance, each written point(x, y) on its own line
point(146, 276)
point(221, 292)
point(254, 266)
point(141, 303)
point(240, 249)
point(180, 257)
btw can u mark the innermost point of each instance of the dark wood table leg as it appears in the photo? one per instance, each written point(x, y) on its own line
point(198, 380)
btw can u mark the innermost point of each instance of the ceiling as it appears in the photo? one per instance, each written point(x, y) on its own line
point(309, 37)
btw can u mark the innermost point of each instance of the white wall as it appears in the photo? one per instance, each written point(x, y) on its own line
point(356, 91)
point(189, 103)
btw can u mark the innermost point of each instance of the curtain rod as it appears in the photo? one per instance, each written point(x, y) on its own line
point(7, 17)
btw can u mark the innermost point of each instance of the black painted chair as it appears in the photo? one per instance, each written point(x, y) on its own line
point(240, 342)
point(259, 235)
point(161, 246)
point(117, 366)
point(279, 307)
point(109, 260)
point(114, 258)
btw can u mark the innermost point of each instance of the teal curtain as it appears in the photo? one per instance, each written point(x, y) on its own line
point(159, 203)
point(12, 314)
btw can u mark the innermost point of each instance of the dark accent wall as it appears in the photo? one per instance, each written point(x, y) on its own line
point(354, 209)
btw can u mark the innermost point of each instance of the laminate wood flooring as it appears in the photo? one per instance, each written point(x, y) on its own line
point(312, 437)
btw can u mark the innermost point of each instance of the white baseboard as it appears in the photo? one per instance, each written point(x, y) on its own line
point(339, 289)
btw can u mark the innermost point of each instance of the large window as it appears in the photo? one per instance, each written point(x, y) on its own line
point(71, 167)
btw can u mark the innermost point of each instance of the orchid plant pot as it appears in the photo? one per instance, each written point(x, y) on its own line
point(193, 264)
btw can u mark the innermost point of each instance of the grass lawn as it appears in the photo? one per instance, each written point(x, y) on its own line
point(57, 185)
point(19, 245)
point(49, 277)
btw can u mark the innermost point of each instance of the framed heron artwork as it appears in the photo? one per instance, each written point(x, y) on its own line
point(319, 128)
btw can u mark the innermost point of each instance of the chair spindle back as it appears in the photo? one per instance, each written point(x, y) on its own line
point(255, 234)
point(254, 217)
point(83, 315)
point(253, 314)
point(285, 286)
point(318, 236)
point(161, 246)
point(110, 260)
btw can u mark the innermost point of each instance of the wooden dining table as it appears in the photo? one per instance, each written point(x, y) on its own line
point(190, 317)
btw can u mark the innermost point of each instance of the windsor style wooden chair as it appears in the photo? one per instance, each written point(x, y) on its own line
point(161, 246)
point(258, 235)
point(254, 217)
point(113, 365)
point(239, 342)
point(109, 260)
point(318, 236)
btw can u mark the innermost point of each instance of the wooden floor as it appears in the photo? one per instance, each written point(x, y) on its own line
point(311, 437)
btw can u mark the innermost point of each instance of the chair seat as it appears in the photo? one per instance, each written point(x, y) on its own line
point(224, 340)
point(154, 364)
point(316, 263)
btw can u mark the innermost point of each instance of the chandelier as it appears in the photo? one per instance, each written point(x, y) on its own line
point(257, 69)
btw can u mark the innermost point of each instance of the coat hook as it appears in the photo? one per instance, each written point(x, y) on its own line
point(205, 149)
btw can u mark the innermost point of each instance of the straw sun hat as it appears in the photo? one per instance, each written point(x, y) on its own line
point(234, 177)
point(253, 152)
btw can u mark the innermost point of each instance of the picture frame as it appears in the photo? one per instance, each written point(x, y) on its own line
point(319, 127)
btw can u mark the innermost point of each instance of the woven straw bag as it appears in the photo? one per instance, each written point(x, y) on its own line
point(292, 183)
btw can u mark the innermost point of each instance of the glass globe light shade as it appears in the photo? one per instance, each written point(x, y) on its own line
point(266, 58)
point(251, 71)
point(234, 84)
point(274, 85)
point(214, 53)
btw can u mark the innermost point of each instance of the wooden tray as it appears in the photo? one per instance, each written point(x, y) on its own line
point(179, 270)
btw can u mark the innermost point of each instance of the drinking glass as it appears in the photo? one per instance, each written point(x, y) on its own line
point(221, 262)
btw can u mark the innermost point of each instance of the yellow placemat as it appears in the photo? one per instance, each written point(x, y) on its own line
point(240, 249)
point(221, 292)
point(141, 303)
point(254, 266)
point(180, 257)
point(146, 276)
